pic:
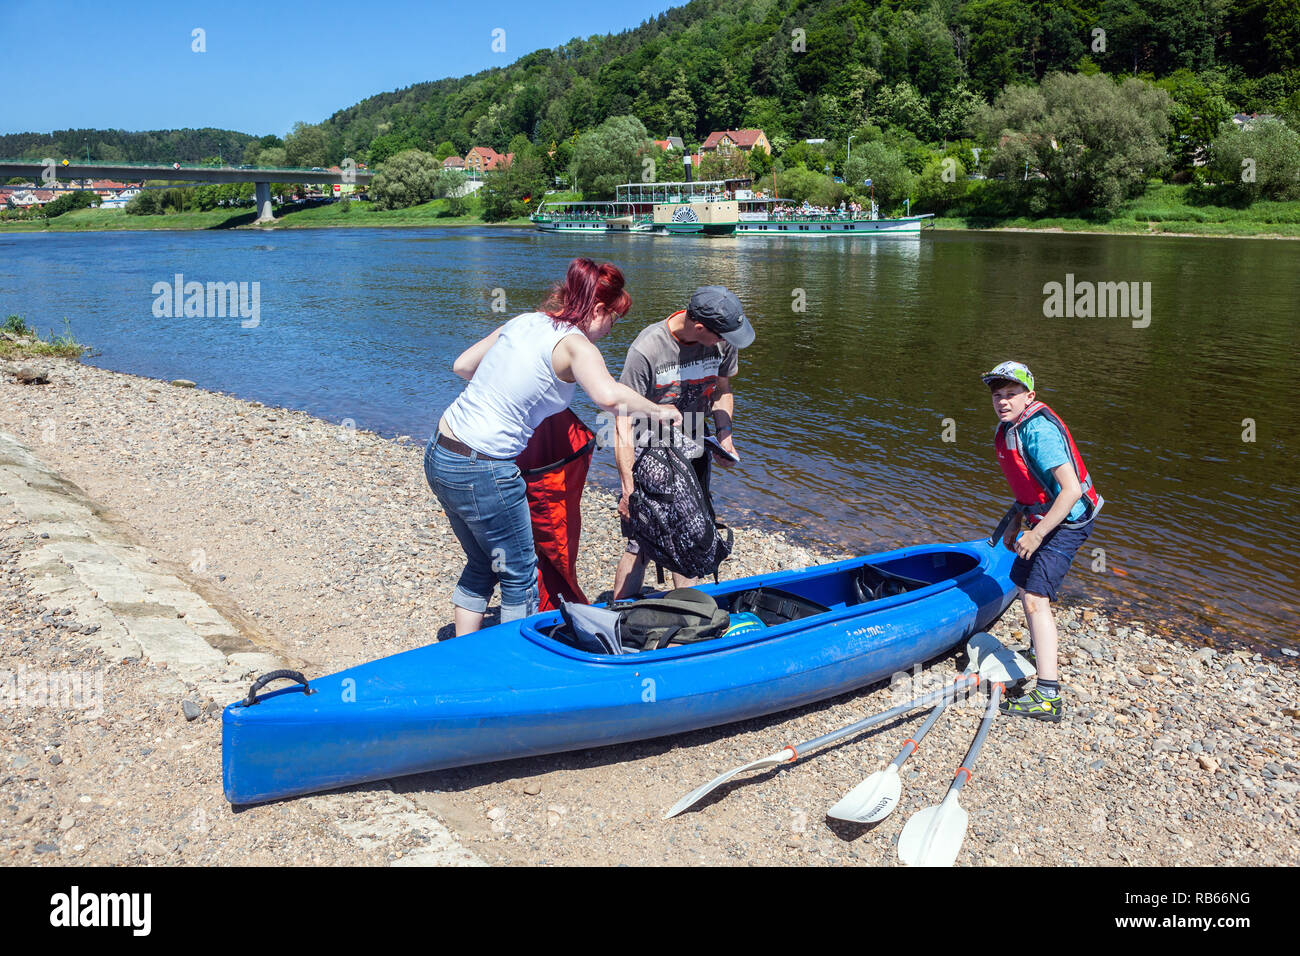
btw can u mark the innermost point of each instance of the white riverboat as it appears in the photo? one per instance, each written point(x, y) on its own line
point(715, 208)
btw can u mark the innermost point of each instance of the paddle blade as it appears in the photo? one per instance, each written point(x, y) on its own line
point(872, 800)
point(1004, 666)
point(981, 645)
point(699, 793)
point(933, 836)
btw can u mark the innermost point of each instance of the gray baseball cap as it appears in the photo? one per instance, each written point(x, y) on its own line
point(717, 309)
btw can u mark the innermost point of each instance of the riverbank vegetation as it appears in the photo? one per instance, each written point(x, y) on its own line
point(979, 110)
point(18, 340)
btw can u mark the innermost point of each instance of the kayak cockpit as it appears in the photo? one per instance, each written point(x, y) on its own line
point(792, 601)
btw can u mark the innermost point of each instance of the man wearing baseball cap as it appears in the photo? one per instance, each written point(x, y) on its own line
point(686, 360)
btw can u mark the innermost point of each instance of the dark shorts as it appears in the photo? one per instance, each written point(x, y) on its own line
point(1046, 567)
point(702, 468)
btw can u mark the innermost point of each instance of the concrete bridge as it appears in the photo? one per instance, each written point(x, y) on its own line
point(46, 172)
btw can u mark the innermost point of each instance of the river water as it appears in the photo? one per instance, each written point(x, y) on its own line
point(860, 413)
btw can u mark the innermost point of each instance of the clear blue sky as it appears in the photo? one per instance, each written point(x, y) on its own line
point(118, 65)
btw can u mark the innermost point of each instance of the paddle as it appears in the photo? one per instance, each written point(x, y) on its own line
point(933, 836)
point(980, 645)
point(875, 798)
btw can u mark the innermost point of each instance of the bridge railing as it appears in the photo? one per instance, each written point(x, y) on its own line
point(183, 166)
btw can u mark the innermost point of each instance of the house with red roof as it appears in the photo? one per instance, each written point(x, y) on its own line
point(743, 139)
point(105, 187)
point(481, 159)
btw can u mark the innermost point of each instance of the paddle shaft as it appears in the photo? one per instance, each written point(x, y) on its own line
point(944, 694)
point(968, 765)
point(913, 743)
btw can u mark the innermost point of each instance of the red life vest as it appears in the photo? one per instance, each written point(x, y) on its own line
point(554, 466)
point(1029, 488)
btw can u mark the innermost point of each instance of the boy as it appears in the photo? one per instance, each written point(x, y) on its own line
point(1054, 492)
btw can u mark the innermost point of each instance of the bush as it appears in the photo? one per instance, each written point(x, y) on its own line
point(1086, 142)
point(408, 178)
point(1262, 162)
point(147, 202)
point(942, 183)
point(81, 199)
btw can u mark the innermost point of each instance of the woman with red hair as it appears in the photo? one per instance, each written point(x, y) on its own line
point(525, 371)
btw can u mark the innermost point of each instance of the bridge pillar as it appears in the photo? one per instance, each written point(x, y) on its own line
point(264, 212)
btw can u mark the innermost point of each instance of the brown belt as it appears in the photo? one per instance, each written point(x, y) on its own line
point(462, 449)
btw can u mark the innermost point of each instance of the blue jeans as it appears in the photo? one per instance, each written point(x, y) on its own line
point(487, 504)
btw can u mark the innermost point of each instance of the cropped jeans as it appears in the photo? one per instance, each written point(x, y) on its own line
point(487, 504)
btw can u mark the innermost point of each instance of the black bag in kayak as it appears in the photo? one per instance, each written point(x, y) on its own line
point(682, 616)
point(671, 515)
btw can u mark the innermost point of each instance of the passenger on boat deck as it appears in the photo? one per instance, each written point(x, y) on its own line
point(525, 371)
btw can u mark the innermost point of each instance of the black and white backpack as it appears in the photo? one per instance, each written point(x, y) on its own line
point(672, 517)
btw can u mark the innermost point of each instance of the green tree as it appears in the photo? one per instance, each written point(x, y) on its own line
point(307, 146)
point(407, 179)
point(513, 189)
point(445, 150)
point(957, 110)
point(942, 183)
point(680, 113)
point(271, 156)
point(450, 186)
point(68, 201)
point(732, 164)
point(144, 203)
point(1092, 142)
point(1197, 112)
point(886, 167)
point(1262, 162)
point(902, 106)
point(609, 156)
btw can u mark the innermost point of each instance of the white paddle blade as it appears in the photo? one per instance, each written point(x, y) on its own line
point(1004, 666)
point(981, 645)
point(933, 836)
point(699, 793)
point(872, 800)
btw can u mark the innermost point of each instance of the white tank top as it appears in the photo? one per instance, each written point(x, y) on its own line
point(514, 388)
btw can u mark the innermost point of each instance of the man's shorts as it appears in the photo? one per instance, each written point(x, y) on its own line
point(1046, 567)
point(701, 471)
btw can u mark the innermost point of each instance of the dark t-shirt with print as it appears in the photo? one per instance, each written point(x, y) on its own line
point(668, 371)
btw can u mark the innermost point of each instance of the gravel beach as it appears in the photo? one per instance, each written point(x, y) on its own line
point(324, 545)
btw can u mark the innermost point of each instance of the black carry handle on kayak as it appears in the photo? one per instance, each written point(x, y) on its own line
point(1014, 512)
point(265, 679)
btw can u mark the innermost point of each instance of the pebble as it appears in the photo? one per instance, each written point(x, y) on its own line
point(341, 591)
point(1093, 648)
point(190, 709)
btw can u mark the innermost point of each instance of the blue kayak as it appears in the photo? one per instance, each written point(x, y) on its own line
point(523, 688)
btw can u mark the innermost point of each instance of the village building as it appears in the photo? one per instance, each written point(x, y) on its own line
point(745, 140)
point(482, 159)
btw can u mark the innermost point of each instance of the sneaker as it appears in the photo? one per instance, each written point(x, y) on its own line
point(1033, 705)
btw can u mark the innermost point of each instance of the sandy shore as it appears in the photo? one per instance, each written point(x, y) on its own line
point(327, 547)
